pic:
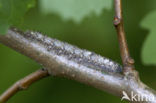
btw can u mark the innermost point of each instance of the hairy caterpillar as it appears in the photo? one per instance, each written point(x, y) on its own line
point(71, 54)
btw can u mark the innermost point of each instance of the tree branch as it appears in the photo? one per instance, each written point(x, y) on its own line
point(66, 64)
point(128, 62)
point(23, 84)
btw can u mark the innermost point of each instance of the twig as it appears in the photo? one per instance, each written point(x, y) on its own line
point(128, 62)
point(58, 66)
point(23, 84)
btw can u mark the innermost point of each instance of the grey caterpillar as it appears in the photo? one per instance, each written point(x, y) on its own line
point(69, 54)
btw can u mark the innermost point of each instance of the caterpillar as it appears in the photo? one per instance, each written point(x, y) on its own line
point(70, 53)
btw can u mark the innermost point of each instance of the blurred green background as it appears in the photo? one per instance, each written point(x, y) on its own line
point(95, 33)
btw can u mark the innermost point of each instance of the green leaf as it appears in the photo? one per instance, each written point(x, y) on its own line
point(74, 9)
point(12, 11)
point(149, 47)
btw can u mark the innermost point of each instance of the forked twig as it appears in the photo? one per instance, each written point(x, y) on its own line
point(58, 65)
point(23, 84)
point(114, 83)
